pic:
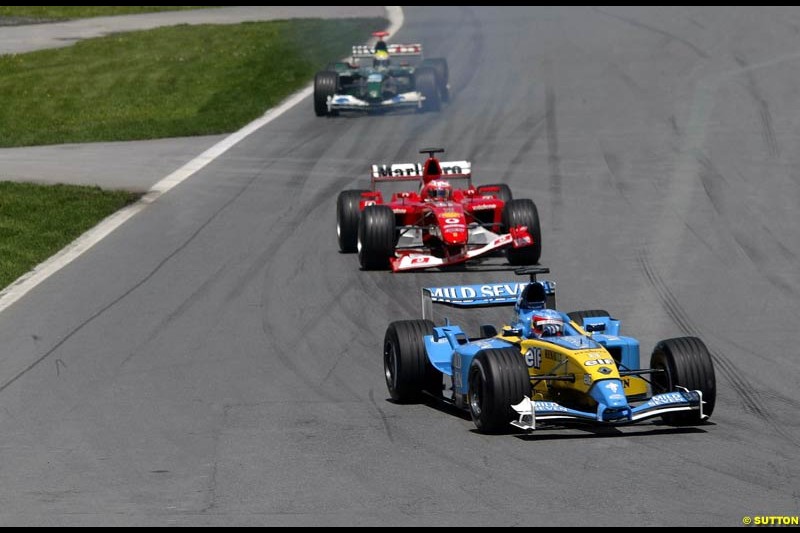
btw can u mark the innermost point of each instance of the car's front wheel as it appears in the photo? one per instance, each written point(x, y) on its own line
point(523, 212)
point(426, 83)
point(684, 362)
point(405, 363)
point(498, 379)
point(347, 214)
point(325, 84)
point(376, 237)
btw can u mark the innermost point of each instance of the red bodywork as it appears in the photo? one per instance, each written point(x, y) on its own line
point(444, 226)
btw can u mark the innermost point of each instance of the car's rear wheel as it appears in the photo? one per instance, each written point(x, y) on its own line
point(523, 212)
point(498, 379)
point(347, 214)
point(425, 80)
point(684, 362)
point(376, 237)
point(325, 84)
point(405, 363)
point(439, 64)
point(578, 316)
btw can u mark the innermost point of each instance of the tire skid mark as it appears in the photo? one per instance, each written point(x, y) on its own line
point(613, 165)
point(493, 119)
point(760, 251)
point(289, 220)
point(749, 395)
point(551, 125)
point(382, 415)
point(767, 130)
point(669, 36)
point(179, 311)
point(211, 488)
point(679, 317)
point(712, 182)
point(147, 277)
point(286, 221)
point(468, 24)
point(532, 128)
point(467, 56)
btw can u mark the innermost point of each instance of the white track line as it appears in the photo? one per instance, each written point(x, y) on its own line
point(41, 272)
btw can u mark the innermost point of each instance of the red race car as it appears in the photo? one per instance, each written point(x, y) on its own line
point(444, 221)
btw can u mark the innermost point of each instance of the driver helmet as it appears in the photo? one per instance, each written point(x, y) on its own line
point(381, 59)
point(438, 190)
point(547, 323)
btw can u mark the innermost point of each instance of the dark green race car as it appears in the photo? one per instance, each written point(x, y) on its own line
point(380, 78)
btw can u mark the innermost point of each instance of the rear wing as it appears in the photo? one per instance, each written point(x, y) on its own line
point(413, 171)
point(361, 51)
point(489, 294)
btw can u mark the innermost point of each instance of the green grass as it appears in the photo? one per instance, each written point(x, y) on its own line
point(73, 12)
point(38, 220)
point(167, 82)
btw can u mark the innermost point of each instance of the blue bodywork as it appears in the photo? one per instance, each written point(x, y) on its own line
point(451, 352)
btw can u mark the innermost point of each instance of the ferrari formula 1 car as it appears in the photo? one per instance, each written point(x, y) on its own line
point(547, 366)
point(388, 76)
point(444, 221)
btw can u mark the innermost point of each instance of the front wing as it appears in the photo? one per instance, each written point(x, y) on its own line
point(417, 260)
point(532, 412)
point(346, 102)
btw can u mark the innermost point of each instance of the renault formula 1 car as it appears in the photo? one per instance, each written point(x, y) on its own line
point(386, 76)
point(444, 220)
point(546, 366)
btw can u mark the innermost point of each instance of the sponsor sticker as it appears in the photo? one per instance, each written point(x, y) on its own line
point(667, 398)
point(533, 358)
point(548, 406)
point(552, 356)
point(465, 292)
point(596, 362)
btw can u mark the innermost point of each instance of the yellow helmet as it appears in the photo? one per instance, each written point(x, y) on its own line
point(381, 59)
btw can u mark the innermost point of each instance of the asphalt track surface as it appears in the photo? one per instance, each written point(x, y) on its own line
point(216, 361)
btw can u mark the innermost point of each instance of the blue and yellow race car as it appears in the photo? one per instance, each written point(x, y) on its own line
point(546, 366)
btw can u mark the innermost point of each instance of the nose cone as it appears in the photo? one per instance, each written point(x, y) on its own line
point(453, 226)
point(609, 392)
point(455, 236)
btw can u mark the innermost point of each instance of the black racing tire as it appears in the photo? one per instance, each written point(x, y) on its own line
point(325, 84)
point(523, 212)
point(439, 64)
point(504, 192)
point(578, 316)
point(347, 214)
point(405, 363)
point(376, 237)
point(498, 379)
point(425, 82)
point(686, 363)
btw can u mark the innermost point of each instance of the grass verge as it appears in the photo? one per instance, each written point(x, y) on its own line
point(168, 82)
point(75, 12)
point(38, 220)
